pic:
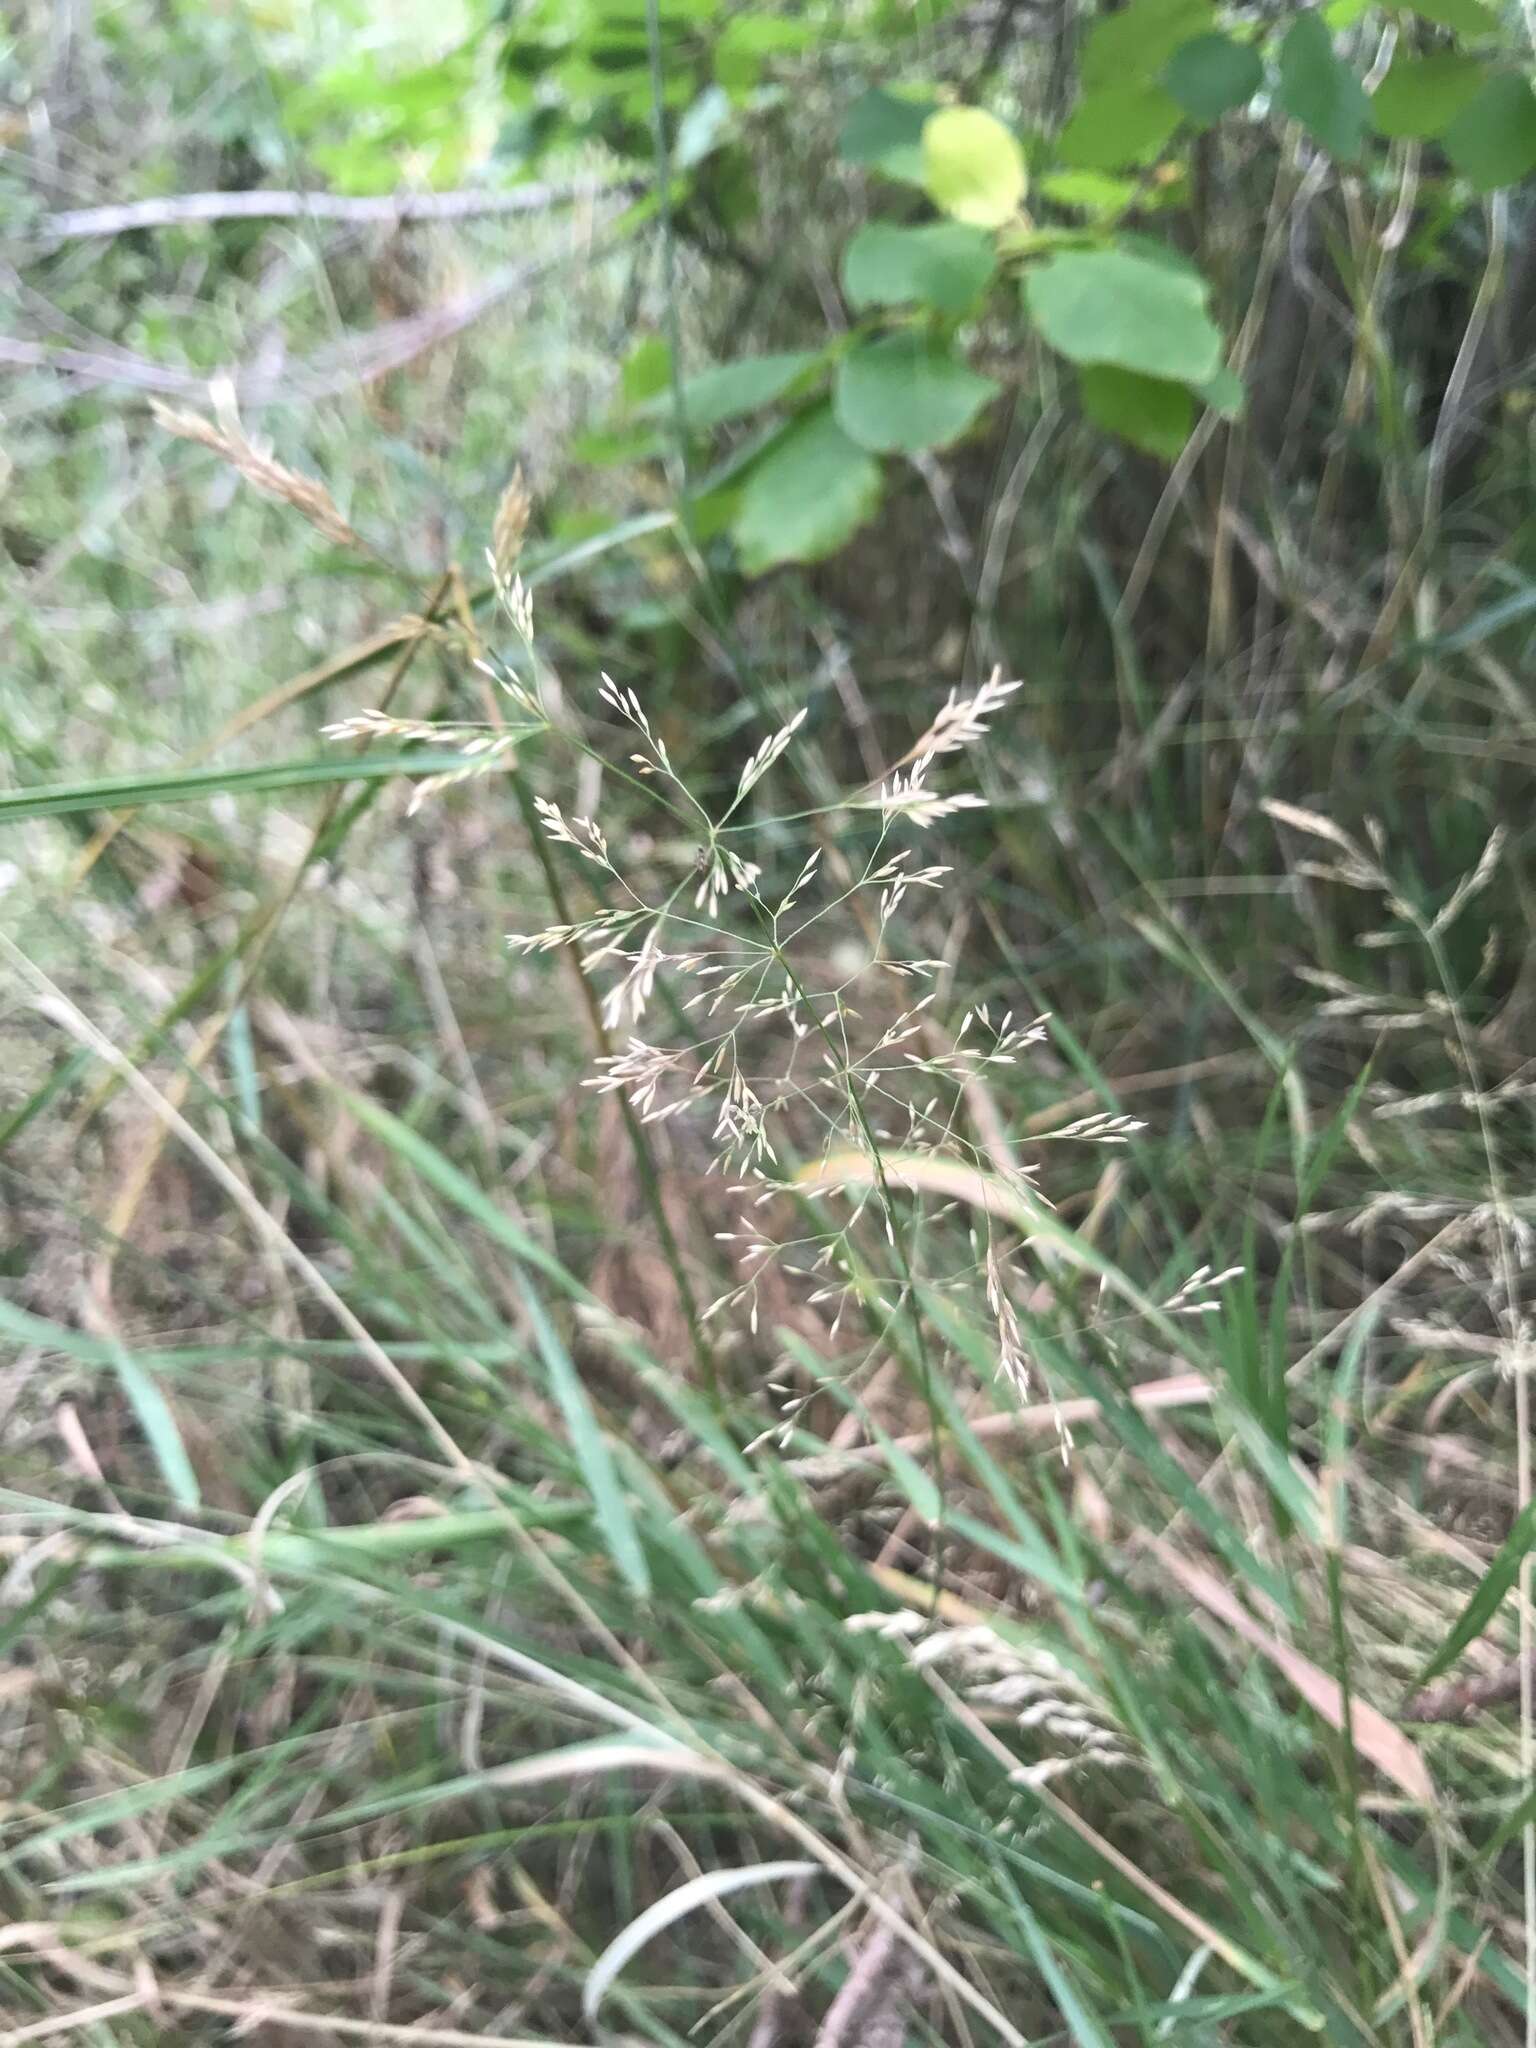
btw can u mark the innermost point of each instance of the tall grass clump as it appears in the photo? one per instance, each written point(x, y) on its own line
point(831, 1565)
point(768, 1246)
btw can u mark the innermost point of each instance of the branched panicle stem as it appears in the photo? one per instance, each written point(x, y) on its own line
point(645, 1158)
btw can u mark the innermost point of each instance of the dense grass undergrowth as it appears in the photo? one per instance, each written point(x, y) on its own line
point(908, 1419)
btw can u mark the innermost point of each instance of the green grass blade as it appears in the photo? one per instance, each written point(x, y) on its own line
point(1491, 1589)
point(154, 1416)
point(440, 1173)
point(132, 792)
point(591, 1448)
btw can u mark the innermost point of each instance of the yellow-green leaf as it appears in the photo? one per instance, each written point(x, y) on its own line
point(973, 167)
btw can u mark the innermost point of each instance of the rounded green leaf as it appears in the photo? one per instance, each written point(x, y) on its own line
point(973, 167)
point(885, 132)
point(1112, 126)
point(945, 265)
point(808, 494)
point(730, 391)
point(906, 393)
point(1422, 96)
point(748, 41)
point(1321, 93)
point(646, 369)
point(1130, 47)
point(1212, 75)
point(1493, 142)
point(1467, 17)
point(1109, 306)
point(1149, 412)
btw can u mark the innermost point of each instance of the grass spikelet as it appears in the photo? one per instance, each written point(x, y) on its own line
point(306, 494)
point(510, 526)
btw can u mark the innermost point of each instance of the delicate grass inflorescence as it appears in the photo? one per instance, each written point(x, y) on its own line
point(783, 1061)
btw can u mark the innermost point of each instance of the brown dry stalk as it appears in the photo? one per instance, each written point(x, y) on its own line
point(1117, 1087)
point(386, 210)
point(868, 2011)
point(1463, 1698)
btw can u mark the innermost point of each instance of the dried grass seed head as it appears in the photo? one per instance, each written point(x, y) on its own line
point(510, 527)
point(306, 494)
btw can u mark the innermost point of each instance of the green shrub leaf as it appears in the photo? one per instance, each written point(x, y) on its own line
point(1130, 48)
point(1109, 306)
point(1493, 141)
point(973, 167)
point(1149, 412)
point(647, 369)
point(1467, 17)
point(885, 133)
point(748, 40)
point(1422, 96)
point(945, 265)
point(1090, 191)
point(1321, 93)
point(730, 391)
point(808, 494)
point(1212, 74)
point(1223, 393)
point(907, 393)
point(1113, 126)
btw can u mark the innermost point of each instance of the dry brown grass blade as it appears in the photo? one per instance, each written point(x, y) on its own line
point(1465, 1698)
point(1373, 1735)
point(868, 2009)
point(919, 1173)
point(1041, 1418)
point(1088, 1099)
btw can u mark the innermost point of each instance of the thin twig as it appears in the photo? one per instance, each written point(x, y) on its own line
point(1042, 1418)
point(355, 359)
point(184, 209)
point(868, 2008)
